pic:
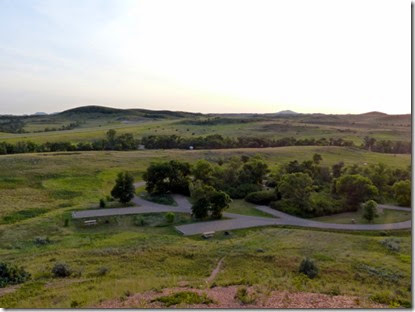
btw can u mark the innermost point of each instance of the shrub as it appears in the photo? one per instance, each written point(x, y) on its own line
point(11, 274)
point(41, 241)
point(66, 223)
point(244, 297)
point(242, 190)
point(184, 297)
point(102, 271)
point(170, 217)
point(61, 270)
point(139, 221)
point(392, 244)
point(102, 203)
point(308, 268)
point(261, 197)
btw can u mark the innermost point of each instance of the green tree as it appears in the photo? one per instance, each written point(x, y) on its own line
point(402, 192)
point(355, 189)
point(124, 187)
point(369, 210)
point(317, 158)
point(296, 187)
point(337, 169)
point(207, 200)
point(111, 133)
point(203, 171)
point(219, 201)
point(253, 172)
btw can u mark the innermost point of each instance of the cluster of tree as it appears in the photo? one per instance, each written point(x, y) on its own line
point(123, 142)
point(123, 189)
point(210, 185)
point(11, 125)
point(69, 126)
point(216, 141)
point(126, 142)
point(212, 121)
point(305, 188)
point(308, 189)
point(387, 146)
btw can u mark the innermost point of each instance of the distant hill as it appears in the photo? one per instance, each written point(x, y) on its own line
point(40, 114)
point(287, 112)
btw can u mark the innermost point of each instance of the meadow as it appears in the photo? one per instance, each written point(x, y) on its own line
point(118, 258)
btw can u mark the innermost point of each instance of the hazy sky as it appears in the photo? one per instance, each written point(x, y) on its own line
point(206, 55)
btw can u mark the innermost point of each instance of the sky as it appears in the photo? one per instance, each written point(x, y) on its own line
point(248, 56)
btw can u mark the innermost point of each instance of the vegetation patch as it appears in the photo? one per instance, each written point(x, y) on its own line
point(12, 274)
point(162, 199)
point(23, 215)
point(184, 297)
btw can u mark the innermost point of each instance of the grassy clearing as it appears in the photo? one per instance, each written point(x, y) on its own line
point(386, 216)
point(184, 297)
point(244, 208)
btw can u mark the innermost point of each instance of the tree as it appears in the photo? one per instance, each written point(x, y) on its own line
point(165, 177)
point(207, 200)
point(296, 187)
point(203, 171)
point(111, 133)
point(369, 210)
point(253, 172)
point(317, 158)
point(124, 187)
point(219, 201)
point(355, 189)
point(402, 192)
point(337, 169)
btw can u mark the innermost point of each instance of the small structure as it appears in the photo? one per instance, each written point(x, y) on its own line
point(208, 234)
point(353, 221)
point(141, 147)
point(191, 148)
point(90, 222)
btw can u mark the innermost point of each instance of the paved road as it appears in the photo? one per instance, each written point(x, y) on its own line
point(235, 221)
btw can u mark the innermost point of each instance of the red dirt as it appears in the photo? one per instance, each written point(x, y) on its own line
point(224, 297)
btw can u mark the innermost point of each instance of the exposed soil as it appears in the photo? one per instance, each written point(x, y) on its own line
point(224, 297)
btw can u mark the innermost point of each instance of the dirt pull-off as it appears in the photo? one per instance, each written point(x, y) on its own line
point(224, 297)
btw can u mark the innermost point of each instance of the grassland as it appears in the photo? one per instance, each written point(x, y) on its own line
point(386, 216)
point(38, 192)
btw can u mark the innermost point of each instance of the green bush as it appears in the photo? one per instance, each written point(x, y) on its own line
point(242, 190)
point(170, 217)
point(61, 270)
point(392, 244)
point(184, 297)
point(41, 241)
point(11, 274)
point(244, 297)
point(139, 221)
point(102, 203)
point(261, 197)
point(308, 267)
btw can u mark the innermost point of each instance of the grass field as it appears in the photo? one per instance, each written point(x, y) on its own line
point(386, 216)
point(38, 192)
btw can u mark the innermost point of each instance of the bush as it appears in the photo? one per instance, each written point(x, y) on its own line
point(184, 297)
point(11, 274)
point(66, 223)
point(170, 217)
point(102, 203)
point(61, 270)
point(369, 210)
point(244, 297)
point(102, 271)
point(139, 221)
point(261, 197)
point(308, 268)
point(242, 190)
point(41, 241)
point(392, 244)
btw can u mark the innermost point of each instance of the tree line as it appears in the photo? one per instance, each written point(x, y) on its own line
point(126, 142)
point(306, 189)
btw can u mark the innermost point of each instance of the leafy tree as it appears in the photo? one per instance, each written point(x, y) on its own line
point(218, 202)
point(317, 158)
point(124, 187)
point(203, 171)
point(369, 210)
point(253, 172)
point(355, 189)
point(170, 217)
point(12, 274)
point(111, 133)
point(402, 192)
point(207, 200)
point(102, 203)
point(167, 177)
point(296, 187)
point(337, 169)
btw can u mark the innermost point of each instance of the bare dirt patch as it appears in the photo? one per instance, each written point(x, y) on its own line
point(224, 297)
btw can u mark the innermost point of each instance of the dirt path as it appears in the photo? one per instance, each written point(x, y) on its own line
point(214, 272)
